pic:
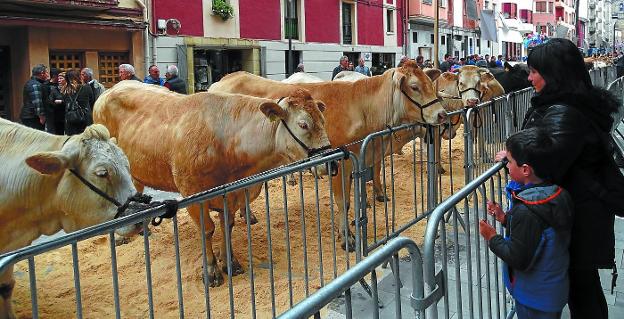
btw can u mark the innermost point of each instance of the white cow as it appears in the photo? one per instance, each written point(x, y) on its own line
point(302, 77)
point(349, 76)
point(41, 193)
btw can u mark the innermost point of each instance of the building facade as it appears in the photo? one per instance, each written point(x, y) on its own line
point(255, 38)
point(66, 34)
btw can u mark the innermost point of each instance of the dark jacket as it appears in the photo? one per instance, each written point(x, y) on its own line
point(34, 96)
point(578, 154)
point(176, 84)
point(535, 248)
point(83, 96)
point(337, 70)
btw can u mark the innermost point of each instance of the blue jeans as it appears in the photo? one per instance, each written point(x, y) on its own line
point(524, 312)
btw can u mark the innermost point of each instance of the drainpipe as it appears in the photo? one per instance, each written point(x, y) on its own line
point(151, 18)
point(146, 32)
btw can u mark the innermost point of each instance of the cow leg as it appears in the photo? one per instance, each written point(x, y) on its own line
point(438, 151)
point(215, 278)
point(342, 200)
point(252, 217)
point(7, 283)
point(377, 185)
point(237, 269)
point(292, 181)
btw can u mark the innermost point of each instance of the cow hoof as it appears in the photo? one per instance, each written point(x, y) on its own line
point(121, 241)
point(215, 278)
point(349, 244)
point(252, 219)
point(382, 198)
point(237, 269)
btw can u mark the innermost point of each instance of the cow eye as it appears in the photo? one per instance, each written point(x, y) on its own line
point(303, 125)
point(101, 173)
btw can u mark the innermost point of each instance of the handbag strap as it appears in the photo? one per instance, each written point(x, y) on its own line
point(74, 98)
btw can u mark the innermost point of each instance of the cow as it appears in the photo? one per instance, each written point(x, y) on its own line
point(207, 140)
point(355, 110)
point(512, 78)
point(45, 187)
point(349, 76)
point(302, 77)
point(464, 89)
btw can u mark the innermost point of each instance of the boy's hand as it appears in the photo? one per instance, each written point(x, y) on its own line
point(486, 230)
point(495, 210)
point(500, 155)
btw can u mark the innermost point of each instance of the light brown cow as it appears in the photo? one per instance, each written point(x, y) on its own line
point(41, 193)
point(191, 143)
point(355, 109)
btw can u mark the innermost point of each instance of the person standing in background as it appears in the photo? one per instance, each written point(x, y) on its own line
point(34, 96)
point(154, 76)
point(174, 83)
point(363, 69)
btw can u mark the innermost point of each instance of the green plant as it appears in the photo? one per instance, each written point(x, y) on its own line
point(223, 9)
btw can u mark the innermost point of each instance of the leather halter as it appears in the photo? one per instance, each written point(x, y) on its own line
point(311, 150)
point(421, 107)
point(120, 207)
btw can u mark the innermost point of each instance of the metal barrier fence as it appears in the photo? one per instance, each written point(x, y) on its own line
point(602, 77)
point(313, 304)
point(474, 287)
point(291, 252)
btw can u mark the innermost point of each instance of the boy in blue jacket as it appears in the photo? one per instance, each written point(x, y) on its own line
point(535, 247)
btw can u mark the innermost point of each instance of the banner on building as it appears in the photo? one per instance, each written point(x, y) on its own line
point(562, 31)
point(488, 26)
point(471, 10)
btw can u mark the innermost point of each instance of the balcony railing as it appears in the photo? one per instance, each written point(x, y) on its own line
point(291, 28)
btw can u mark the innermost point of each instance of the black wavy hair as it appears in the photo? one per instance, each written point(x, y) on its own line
point(561, 65)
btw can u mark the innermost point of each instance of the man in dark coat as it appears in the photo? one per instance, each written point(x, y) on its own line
point(174, 83)
point(35, 95)
point(344, 66)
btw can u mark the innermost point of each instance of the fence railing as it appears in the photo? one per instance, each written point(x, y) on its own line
point(294, 249)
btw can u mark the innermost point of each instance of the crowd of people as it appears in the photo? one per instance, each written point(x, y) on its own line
point(62, 102)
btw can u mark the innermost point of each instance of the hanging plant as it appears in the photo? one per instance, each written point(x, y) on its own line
point(223, 9)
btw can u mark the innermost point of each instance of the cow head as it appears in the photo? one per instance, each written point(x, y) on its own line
point(96, 158)
point(416, 91)
point(301, 132)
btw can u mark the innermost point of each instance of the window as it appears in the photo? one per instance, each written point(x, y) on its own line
point(540, 7)
point(109, 67)
point(390, 20)
point(443, 40)
point(526, 16)
point(432, 37)
point(347, 24)
point(551, 5)
point(486, 4)
point(65, 61)
point(291, 20)
point(414, 37)
point(427, 2)
point(510, 10)
point(479, 44)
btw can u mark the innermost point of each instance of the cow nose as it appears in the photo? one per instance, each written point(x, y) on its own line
point(472, 102)
point(442, 117)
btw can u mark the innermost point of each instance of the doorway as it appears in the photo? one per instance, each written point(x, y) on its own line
point(5, 83)
point(211, 65)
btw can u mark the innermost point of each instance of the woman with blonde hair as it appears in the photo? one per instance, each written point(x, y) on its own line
point(76, 97)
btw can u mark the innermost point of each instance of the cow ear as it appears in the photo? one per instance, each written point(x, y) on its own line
point(486, 77)
point(48, 163)
point(433, 74)
point(449, 76)
point(273, 111)
point(320, 105)
point(507, 66)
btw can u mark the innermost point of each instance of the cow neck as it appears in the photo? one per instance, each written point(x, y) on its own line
point(379, 106)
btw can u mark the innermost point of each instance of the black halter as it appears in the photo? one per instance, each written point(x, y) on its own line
point(120, 207)
point(421, 107)
point(311, 151)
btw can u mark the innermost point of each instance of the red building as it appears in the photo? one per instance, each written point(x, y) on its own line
point(256, 36)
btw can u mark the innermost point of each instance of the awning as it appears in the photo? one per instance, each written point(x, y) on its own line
point(510, 35)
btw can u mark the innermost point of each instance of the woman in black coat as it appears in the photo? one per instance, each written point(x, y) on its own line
point(73, 89)
point(576, 114)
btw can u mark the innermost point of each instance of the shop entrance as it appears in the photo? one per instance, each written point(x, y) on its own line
point(5, 83)
point(210, 65)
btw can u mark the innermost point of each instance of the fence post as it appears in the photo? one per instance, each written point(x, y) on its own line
point(468, 147)
point(432, 169)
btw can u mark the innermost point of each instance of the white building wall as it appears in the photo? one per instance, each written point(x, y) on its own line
point(166, 52)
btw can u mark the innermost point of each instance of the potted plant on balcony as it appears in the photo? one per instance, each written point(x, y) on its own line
point(223, 9)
